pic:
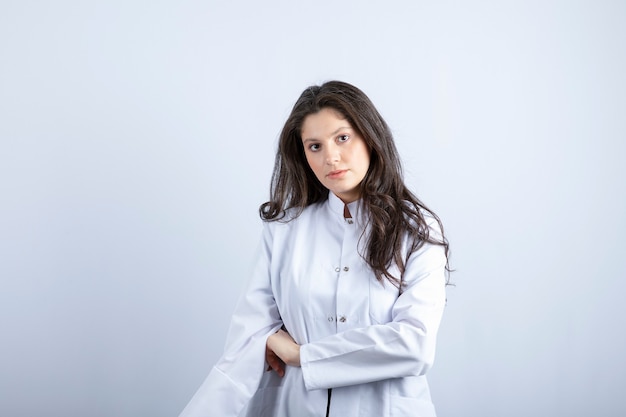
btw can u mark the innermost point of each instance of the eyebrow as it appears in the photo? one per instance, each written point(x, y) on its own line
point(332, 134)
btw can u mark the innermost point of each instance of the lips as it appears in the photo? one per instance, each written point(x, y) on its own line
point(333, 175)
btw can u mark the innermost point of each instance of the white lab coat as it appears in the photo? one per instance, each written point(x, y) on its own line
point(359, 337)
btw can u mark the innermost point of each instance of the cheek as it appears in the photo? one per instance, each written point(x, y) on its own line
point(364, 157)
point(367, 161)
point(313, 162)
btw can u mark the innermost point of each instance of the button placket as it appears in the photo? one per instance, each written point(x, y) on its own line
point(346, 259)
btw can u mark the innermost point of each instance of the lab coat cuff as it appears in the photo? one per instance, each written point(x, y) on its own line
point(311, 382)
point(217, 396)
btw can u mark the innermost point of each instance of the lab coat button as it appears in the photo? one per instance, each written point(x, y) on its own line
point(337, 269)
point(345, 268)
point(330, 318)
point(342, 319)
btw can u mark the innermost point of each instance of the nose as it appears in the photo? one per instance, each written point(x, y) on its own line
point(332, 154)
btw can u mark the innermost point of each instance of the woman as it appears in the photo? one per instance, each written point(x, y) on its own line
point(348, 289)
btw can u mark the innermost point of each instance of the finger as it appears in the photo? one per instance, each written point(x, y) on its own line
point(278, 366)
point(274, 362)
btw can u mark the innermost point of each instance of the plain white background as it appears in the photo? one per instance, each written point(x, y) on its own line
point(137, 142)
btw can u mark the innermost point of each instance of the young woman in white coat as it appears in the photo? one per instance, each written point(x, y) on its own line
point(341, 313)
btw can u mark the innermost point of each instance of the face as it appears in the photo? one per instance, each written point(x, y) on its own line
point(337, 154)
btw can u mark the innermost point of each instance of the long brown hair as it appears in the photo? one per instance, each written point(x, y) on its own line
point(393, 211)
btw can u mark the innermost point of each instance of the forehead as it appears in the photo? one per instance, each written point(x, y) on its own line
point(324, 122)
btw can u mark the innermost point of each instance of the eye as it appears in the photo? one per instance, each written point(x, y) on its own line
point(343, 138)
point(314, 147)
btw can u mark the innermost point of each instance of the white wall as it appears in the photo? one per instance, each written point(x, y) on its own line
point(137, 141)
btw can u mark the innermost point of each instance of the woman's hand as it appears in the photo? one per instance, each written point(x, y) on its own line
point(281, 349)
point(274, 362)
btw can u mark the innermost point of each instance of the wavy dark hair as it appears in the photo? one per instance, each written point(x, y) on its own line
point(394, 211)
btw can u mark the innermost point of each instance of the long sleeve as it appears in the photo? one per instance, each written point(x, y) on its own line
point(236, 376)
point(403, 347)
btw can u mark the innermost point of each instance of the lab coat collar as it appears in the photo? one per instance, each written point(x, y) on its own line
point(336, 205)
